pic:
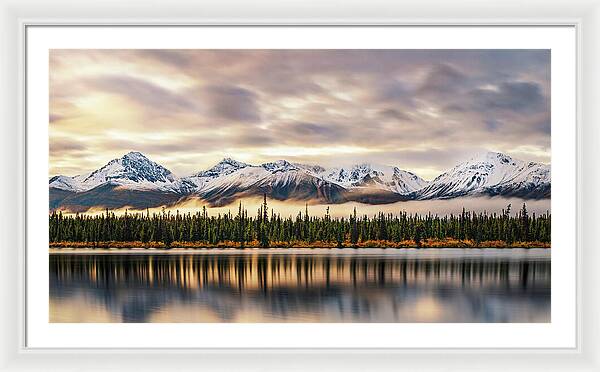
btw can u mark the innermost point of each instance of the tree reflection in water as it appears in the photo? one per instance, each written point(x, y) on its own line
point(313, 286)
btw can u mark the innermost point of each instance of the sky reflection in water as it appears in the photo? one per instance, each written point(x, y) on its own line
point(450, 285)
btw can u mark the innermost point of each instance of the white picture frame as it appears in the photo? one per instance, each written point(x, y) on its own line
point(584, 17)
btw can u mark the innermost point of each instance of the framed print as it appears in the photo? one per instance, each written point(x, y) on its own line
point(292, 184)
point(294, 189)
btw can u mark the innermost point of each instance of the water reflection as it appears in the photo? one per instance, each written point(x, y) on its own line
point(318, 286)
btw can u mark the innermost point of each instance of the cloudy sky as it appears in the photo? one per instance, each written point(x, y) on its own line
point(420, 110)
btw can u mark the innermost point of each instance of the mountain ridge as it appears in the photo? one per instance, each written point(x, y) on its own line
point(491, 174)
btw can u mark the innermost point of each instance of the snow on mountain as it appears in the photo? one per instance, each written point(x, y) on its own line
point(532, 180)
point(280, 173)
point(201, 179)
point(242, 178)
point(488, 174)
point(532, 174)
point(484, 174)
point(281, 166)
point(224, 167)
point(133, 170)
point(374, 176)
point(284, 180)
point(230, 174)
point(65, 183)
point(280, 180)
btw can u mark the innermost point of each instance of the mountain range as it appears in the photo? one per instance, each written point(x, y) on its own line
point(137, 182)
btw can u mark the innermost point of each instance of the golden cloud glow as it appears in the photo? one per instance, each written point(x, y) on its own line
point(422, 111)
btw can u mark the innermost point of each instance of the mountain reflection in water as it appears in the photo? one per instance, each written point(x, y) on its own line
point(320, 285)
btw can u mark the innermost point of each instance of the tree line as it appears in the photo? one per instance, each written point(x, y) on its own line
point(267, 227)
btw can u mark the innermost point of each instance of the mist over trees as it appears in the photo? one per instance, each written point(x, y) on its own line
point(266, 228)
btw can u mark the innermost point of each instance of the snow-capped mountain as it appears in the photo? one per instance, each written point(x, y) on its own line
point(134, 180)
point(491, 173)
point(281, 179)
point(284, 180)
point(66, 183)
point(224, 167)
point(200, 180)
point(531, 181)
point(368, 176)
point(133, 170)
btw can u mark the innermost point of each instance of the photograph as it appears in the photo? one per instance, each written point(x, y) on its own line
point(299, 186)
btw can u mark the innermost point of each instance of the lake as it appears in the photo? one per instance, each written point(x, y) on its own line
point(311, 285)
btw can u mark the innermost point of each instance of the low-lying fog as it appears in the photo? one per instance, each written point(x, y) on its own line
point(292, 208)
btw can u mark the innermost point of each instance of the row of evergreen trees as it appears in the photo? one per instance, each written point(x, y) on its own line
point(268, 227)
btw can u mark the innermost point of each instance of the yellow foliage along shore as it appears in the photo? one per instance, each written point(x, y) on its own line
point(429, 243)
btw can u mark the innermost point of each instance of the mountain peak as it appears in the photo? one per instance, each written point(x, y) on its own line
point(279, 166)
point(133, 167)
point(492, 157)
point(490, 172)
point(233, 162)
point(224, 167)
point(135, 155)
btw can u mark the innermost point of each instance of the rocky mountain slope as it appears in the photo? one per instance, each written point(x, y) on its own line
point(136, 181)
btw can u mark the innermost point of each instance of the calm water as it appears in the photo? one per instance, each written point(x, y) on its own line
point(320, 285)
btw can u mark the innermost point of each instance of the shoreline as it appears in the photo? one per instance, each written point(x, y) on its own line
point(73, 250)
point(371, 244)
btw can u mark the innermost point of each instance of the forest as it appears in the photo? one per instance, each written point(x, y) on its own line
point(268, 229)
